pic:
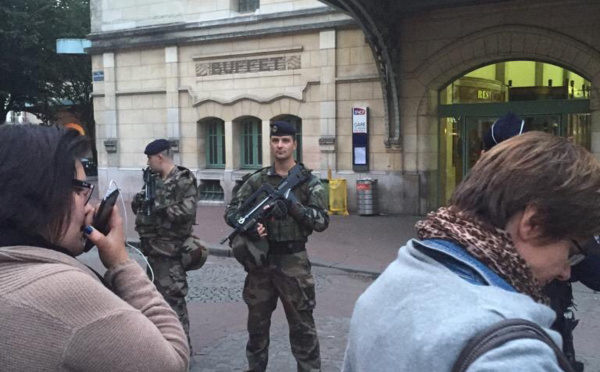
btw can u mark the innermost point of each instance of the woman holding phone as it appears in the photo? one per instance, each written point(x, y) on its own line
point(56, 313)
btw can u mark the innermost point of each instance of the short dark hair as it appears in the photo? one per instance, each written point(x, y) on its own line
point(557, 177)
point(37, 166)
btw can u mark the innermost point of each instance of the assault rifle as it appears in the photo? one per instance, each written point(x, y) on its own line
point(567, 333)
point(150, 191)
point(253, 209)
point(561, 301)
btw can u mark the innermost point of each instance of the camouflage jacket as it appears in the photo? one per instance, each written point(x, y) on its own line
point(305, 216)
point(174, 207)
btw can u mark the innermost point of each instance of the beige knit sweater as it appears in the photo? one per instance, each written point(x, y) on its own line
point(56, 315)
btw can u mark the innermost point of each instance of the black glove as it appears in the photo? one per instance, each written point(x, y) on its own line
point(231, 221)
point(294, 206)
point(252, 234)
point(279, 209)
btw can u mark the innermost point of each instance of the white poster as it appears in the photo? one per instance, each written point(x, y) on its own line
point(359, 120)
point(360, 156)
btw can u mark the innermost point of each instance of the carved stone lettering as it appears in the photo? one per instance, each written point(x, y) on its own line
point(202, 69)
point(241, 67)
point(228, 67)
point(278, 63)
point(249, 65)
point(252, 65)
point(294, 63)
point(216, 68)
point(263, 64)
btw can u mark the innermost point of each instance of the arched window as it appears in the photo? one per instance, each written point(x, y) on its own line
point(251, 143)
point(215, 143)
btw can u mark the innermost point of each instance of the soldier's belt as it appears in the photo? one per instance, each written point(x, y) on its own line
point(286, 247)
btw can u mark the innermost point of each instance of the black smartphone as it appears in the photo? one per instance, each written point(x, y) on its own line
point(102, 215)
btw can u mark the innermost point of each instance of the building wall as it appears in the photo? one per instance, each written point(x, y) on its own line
point(441, 45)
point(171, 91)
point(113, 15)
point(159, 83)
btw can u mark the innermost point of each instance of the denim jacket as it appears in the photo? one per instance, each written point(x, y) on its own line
point(463, 264)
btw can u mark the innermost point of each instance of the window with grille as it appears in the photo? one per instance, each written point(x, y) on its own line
point(247, 6)
point(211, 191)
point(215, 146)
point(251, 146)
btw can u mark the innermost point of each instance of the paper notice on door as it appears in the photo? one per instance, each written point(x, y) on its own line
point(360, 155)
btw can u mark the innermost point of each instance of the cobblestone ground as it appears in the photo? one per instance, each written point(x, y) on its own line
point(221, 281)
point(218, 317)
point(229, 353)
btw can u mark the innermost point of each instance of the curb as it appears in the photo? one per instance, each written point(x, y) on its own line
point(220, 251)
point(214, 250)
point(226, 252)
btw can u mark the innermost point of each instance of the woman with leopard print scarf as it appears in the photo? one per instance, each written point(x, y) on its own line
point(515, 223)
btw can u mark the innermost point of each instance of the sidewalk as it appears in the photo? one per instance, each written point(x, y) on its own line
point(353, 243)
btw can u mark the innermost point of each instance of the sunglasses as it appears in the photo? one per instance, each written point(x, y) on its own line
point(576, 258)
point(85, 188)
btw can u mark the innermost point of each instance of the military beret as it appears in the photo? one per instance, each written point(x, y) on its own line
point(506, 127)
point(157, 146)
point(282, 128)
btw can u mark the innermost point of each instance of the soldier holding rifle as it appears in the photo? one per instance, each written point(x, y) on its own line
point(281, 270)
point(166, 212)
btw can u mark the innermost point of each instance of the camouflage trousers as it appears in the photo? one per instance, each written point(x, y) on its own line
point(287, 277)
point(171, 281)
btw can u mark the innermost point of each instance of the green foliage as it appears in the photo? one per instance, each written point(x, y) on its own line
point(33, 77)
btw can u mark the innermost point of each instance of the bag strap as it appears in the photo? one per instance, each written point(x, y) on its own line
point(501, 333)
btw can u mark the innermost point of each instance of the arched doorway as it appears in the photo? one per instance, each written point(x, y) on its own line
point(547, 97)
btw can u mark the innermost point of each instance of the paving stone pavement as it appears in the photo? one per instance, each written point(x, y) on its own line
point(218, 314)
point(223, 281)
point(228, 354)
point(220, 282)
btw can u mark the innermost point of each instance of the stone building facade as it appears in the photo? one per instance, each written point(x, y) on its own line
point(210, 75)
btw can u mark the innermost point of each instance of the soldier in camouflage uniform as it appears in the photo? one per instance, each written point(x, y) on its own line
point(286, 274)
point(166, 224)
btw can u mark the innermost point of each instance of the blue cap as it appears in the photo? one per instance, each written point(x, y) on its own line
point(282, 128)
point(505, 127)
point(157, 146)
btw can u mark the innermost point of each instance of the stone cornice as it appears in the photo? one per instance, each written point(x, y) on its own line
point(226, 29)
point(256, 52)
point(357, 79)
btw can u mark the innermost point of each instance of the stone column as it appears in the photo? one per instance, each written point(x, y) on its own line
point(266, 147)
point(110, 111)
point(173, 110)
point(328, 101)
point(229, 149)
point(595, 123)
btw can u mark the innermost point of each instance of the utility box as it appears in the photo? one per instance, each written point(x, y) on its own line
point(366, 197)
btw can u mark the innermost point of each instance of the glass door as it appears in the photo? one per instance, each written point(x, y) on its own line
point(461, 142)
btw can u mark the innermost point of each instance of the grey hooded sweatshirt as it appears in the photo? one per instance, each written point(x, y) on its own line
point(418, 315)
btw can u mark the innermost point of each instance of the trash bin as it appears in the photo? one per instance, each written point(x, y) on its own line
point(366, 197)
